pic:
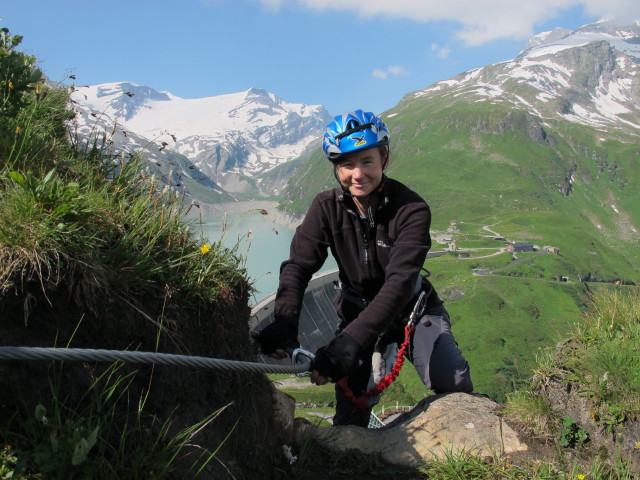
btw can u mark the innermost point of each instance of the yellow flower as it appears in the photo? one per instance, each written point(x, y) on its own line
point(10, 84)
point(580, 477)
point(18, 130)
point(37, 88)
point(205, 249)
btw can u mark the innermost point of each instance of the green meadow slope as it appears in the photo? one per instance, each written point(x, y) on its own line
point(554, 184)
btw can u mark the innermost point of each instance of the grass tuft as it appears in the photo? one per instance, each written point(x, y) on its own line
point(104, 225)
point(602, 356)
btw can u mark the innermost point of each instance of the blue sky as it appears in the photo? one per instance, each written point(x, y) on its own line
point(343, 54)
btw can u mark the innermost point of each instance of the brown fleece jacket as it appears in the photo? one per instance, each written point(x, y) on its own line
point(379, 258)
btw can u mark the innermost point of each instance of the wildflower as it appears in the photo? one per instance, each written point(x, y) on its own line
point(10, 84)
point(580, 477)
point(18, 129)
point(286, 449)
point(37, 88)
point(204, 249)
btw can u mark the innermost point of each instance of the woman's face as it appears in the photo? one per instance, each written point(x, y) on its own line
point(361, 172)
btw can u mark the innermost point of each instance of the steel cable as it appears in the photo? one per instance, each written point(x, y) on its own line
point(100, 355)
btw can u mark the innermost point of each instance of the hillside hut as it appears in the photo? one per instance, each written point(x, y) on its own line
point(520, 247)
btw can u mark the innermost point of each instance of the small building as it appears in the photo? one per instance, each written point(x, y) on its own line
point(453, 247)
point(553, 250)
point(453, 223)
point(520, 247)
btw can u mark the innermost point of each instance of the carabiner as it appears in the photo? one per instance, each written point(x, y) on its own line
point(418, 308)
point(305, 354)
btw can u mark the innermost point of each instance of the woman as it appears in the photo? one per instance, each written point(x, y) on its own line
point(378, 231)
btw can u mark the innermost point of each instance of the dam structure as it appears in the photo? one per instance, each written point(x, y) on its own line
point(318, 318)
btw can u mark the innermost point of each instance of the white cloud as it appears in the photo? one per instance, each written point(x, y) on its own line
point(273, 4)
point(397, 71)
point(381, 74)
point(391, 71)
point(441, 51)
point(480, 22)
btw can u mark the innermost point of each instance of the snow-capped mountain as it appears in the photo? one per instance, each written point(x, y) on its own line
point(89, 129)
point(589, 76)
point(230, 139)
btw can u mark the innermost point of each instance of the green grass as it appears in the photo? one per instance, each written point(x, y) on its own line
point(119, 231)
point(464, 241)
point(603, 360)
point(93, 439)
point(479, 260)
point(513, 318)
point(468, 466)
point(80, 223)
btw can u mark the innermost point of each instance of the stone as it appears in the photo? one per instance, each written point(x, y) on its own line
point(437, 426)
point(284, 406)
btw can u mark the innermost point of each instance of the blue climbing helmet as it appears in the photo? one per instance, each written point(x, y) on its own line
point(353, 131)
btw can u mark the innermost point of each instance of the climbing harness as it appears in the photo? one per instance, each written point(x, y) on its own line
point(300, 359)
point(362, 402)
point(347, 293)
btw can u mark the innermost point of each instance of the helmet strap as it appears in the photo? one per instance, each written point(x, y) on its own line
point(359, 128)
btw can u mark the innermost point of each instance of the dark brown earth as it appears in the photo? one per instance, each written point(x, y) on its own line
point(622, 439)
point(182, 395)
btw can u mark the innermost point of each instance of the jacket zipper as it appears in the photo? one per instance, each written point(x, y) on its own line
point(365, 240)
point(370, 225)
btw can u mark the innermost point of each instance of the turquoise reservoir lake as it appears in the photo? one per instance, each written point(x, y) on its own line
point(263, 244)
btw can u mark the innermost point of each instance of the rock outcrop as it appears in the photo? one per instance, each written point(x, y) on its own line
point(437, 426)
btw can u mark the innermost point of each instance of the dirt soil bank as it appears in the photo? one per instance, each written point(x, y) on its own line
point(179, 395)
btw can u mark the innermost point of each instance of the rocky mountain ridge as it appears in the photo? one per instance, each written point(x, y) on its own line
point(589, 76)
point(228, 139)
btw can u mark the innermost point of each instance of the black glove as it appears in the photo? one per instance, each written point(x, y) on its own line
point(281, 334)
point(338, 358)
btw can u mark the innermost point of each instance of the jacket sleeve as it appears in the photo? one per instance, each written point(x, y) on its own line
point(307, 254)
point(406, 258)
